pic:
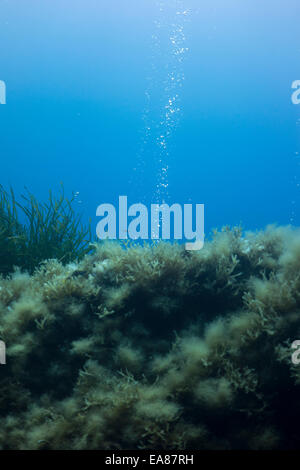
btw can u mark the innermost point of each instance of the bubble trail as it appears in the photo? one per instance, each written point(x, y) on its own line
point(162, 111)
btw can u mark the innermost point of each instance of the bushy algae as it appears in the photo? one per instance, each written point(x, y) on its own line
point(155, 347)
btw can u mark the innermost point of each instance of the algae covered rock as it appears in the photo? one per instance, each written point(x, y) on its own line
point(156, 348)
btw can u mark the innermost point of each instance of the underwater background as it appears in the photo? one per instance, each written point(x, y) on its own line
point(88, 90)
point(122, 346)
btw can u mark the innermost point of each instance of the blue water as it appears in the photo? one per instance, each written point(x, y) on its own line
point(86, 78)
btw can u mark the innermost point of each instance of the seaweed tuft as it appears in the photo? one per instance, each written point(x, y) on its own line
point(33, 231)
